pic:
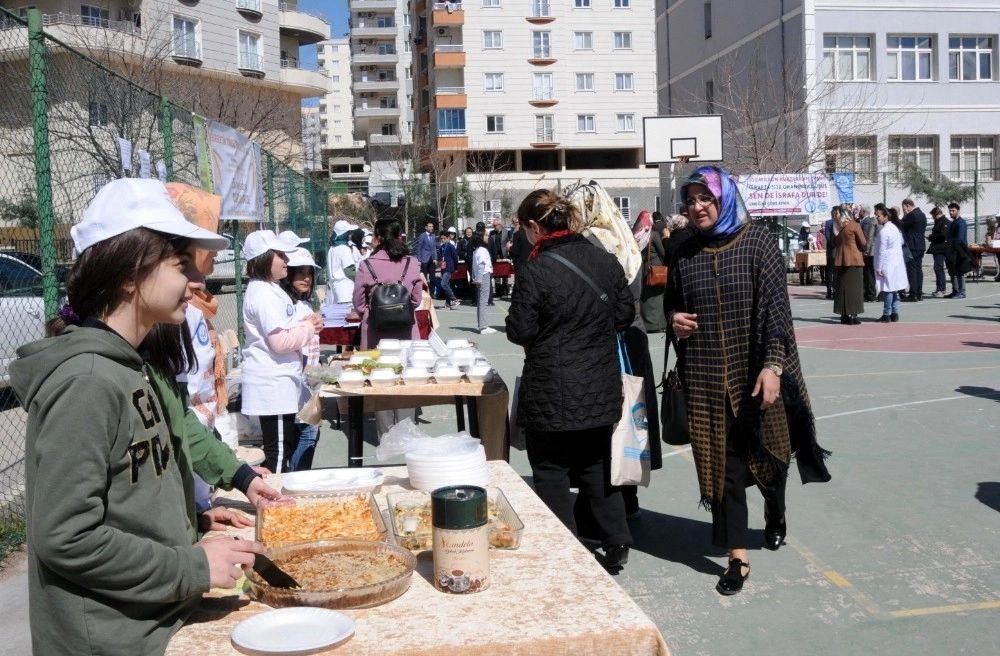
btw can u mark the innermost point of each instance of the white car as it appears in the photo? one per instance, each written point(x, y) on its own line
point(22, 309)
point(224, 273)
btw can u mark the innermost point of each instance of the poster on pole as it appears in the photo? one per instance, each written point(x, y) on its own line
point(774, 194)
point(844, 182)
point(235, 163)
point(200, 124)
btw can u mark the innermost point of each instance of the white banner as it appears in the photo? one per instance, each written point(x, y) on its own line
point(125, 153)
point(236, 176)
point(770, 194)
point(144, 164)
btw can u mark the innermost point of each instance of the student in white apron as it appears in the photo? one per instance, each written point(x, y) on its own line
point(272, 368)
point(298, 284)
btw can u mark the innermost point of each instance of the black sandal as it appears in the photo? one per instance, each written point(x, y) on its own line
point(733, 578)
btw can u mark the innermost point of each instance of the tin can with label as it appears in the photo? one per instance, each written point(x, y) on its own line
point(461, 536)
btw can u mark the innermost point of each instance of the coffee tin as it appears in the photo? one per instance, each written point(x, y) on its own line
point(461, 535)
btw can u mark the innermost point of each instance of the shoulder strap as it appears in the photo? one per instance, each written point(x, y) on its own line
point(575, 269)
point(371, 271)
point(405, 267)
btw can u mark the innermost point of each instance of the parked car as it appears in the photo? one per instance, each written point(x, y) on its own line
point(22, 309)
point(224, 273)
point(35, 262)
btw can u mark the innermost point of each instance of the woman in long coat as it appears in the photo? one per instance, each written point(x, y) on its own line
point(849, 299)
point(890, 268)
point(748, 408)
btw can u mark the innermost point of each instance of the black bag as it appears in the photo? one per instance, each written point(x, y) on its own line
point(389, 306)
point(673, 407)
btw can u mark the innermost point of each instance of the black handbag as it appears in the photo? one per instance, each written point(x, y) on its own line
point(389, 306)
point(673, 409)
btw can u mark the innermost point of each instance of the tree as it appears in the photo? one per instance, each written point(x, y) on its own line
point(940, 189)
point(484, 167)
point(23, 211)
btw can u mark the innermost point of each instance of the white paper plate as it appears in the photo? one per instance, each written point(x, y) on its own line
point(325, 480)
point(292, 630)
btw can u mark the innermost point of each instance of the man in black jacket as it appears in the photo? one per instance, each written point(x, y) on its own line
point(937, 238)
point(496, 242)
point(914, 227)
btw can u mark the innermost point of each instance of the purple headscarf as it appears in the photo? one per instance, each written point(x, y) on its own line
point(732, 211)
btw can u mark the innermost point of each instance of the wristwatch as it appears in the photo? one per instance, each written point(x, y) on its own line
point(775, 369)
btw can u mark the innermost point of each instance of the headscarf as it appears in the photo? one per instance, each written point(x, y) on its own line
point(602, 219)
point(677, 222)
point(732, 211)
point(642, 228)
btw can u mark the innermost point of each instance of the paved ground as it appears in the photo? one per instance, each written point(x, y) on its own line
point(896, 555)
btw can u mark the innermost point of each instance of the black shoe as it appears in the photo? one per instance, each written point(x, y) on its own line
point(616, 557)
point(894, 317)
point(845, 320)
point(884, 318)
point(906, 298)
point(855, 321)
point(775, 528)
point(733, 578)
point(951, 295)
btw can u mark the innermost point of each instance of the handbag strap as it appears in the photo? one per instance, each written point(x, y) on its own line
point(575, 269)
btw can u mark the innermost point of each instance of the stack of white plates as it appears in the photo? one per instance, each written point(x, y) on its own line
point(429, 471)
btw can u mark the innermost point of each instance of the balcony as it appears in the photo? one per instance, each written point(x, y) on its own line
point(370, 29)
point(372, 56)
point(541, 12)
point(251, 8)
point(383, 139)
point(364, 6)
point(376, 112)
point(305, 81)
point(375, 84)
point(450, 98)
point(307, 26)
point(543, 97)
point(447, 13)
point(544, 138)
point(452, 140)
point(251, 64)
point(449, 56)
point(187, 52)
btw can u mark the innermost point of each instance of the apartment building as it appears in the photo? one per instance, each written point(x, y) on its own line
point(343, 156)
point(858, 86)
point(538, 92)
point(381, 57)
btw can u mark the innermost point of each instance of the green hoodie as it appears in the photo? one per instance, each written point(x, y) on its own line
point(111, 567)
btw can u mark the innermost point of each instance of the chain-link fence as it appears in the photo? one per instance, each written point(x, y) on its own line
point(61, 117)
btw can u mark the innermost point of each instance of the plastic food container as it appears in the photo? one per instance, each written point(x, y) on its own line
point(328, 516)
point(416, 376)
point(389, 347)
point(423, 358)
point(351, 379)
point(357, 359)
point(463, 357)
point(480, 373)
point(318, 481)
point(458, 343)
point(389, 359)
point(410, 517)
point(446, 375)
point(330, 574)
point(382, 378)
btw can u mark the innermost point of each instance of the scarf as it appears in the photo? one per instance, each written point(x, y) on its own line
point(642, 228)
point(732, 211)
point(343, 239)
point(544, 238)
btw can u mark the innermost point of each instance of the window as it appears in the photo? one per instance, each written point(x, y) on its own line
point(186, 38)
point(250, 57)
point(22, 12)
point(709, 96)
point(583, 40)
point(93, 16)
point(450, 122)
point(337, 138)
point(540, 8)
point(970, 58)
point(387, 48)
point(335, 79)
point(388, 129)
point(920, 151)
point(623, 40)
point(581, 4)
point(623, 82)
point(855, 154)
point(384, 21)
point(584, 81)
point(334, 48)
point(492, 39)
point(100, 116)
point(494, 124)
point(492, 209)
point(491, 3)
point(493, 81)
point(971, 153)
point(337, 123)
point(624, 204)
point(337, 109)
point(625, 122)
point(847, 57)
point(544, 133)
point(540, 42)
point(909, 58)
point(623, 4)
point(542, 86)
point(708, 19)
point(585, 123)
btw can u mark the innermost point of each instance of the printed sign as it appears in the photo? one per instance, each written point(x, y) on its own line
point(844, 182)
point(235, 162)
point(769, 194)
point(125, 152)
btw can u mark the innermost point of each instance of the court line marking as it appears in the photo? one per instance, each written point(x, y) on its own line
point(908, 403)
point(939, 610)
point(900, 373)
point(863, 600)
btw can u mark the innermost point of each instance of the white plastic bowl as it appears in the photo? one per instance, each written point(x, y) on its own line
point(416, 376)
point(351, 379)
point(382, 378)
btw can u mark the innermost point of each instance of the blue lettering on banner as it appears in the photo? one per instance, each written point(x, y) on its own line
point(201, 334)
point(289, 311)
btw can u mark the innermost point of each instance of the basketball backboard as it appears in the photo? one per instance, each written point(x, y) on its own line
point(667, 138)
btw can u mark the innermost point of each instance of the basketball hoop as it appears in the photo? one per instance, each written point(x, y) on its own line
point(684, 159)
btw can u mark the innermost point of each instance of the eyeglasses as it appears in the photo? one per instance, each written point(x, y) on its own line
point(701, 199)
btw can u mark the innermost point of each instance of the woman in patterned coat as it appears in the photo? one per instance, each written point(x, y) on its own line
point(748, 409)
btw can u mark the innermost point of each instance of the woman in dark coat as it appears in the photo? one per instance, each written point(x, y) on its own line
point(653, 254)
point(849, 298)
point(571, 394)
point(727, 303)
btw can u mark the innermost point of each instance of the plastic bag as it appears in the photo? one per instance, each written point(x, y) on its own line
point(405, 437)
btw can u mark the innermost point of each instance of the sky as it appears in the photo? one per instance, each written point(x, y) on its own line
point(336, 14)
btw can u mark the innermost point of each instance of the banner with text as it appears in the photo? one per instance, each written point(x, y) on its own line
point(236, 176)
point(770, 194)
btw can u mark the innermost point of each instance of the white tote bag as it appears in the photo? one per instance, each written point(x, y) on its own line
point(630, 456)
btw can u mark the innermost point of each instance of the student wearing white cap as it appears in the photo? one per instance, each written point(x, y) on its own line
point(298, 284)
point(341, 265)
point(272, 368)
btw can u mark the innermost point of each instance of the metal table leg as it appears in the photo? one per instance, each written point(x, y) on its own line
point(355, 430)
point(473, 416)
point(460, 412)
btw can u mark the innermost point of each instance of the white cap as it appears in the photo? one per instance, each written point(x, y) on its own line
point(262, 241)
point(128, 203)
point(291, 238)
point(452, 230)
point(301, 257)
point(367, 241)
point(342, 226)
point(805, 224)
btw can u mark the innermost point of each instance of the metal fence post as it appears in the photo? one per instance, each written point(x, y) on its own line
point(238, 274)
point(270, 190)
point(168, 136)
point(975, 203)
point(43, 171)
point(293, 223)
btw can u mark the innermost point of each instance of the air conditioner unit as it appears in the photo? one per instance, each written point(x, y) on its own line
point(370, 42)
point(371, 14)
point(442, 31)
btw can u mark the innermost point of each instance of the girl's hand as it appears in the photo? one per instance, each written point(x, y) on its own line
point(217, 519)
point(227, 557)
point(259, 490)
point(317, 322)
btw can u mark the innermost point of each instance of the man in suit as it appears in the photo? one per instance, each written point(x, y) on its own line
point(831, 257)
point(914, 226)
point(496, 242)
point(869, 226)
point(427, 253)
point(956, 251)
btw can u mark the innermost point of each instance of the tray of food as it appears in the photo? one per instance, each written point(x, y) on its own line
point(337, 574)
point(327, 516)
point(410, 517)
